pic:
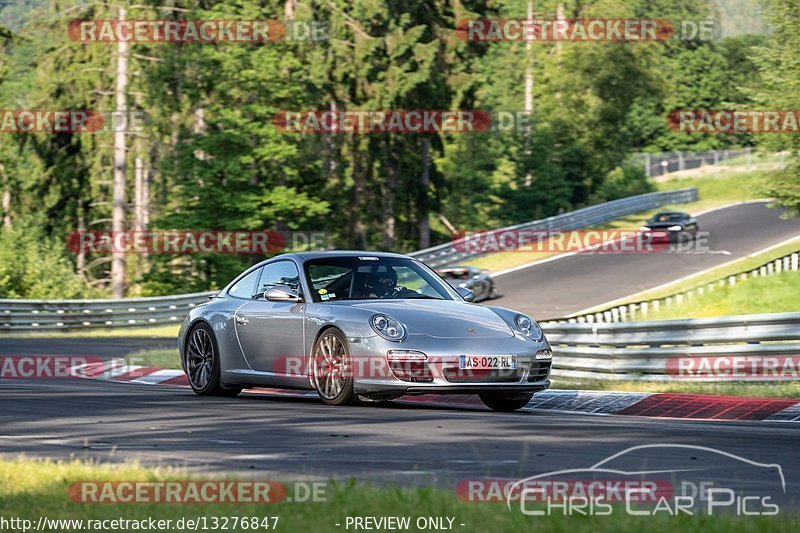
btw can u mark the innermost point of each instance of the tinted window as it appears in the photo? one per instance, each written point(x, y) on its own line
point(280, 273)
point(364, 278)
point(245, 287)
point(666, 217)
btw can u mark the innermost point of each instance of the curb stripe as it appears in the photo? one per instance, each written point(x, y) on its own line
point(696, 406)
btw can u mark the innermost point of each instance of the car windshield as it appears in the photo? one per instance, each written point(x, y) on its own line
point(455, 274)
point(667, 217)
point(372, 277)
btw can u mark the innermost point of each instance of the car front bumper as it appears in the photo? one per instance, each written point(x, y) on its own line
point(374, 374)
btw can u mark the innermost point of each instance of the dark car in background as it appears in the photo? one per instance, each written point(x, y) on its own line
point(674, 226)
point(478, 281)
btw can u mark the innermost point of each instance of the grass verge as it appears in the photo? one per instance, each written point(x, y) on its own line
point(161, 358)
point(775, 389)
point(773, 294)
point(30, 489)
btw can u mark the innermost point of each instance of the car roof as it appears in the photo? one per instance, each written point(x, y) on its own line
point(321, 254)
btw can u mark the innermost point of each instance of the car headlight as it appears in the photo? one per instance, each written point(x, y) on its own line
point(388, 327)
point(644, 228)
point(529, 327)
point(675, 228)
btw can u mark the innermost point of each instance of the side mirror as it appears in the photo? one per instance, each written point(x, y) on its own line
point(281, 293)
point(467, 294)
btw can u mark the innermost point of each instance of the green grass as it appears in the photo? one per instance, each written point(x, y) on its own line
point(772, 294)
point(777, 389)
point(30, 489)
point(714, 191)
point(156, 331)
point(160, 358)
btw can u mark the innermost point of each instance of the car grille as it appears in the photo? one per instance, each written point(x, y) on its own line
point(539, 370)
point(454, 375)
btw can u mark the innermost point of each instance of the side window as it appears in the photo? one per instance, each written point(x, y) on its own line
point(246, 287)
point(280, 273)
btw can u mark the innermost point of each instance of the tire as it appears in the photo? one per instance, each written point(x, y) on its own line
point(331, 369)
point(505, 402)
point(202, 363)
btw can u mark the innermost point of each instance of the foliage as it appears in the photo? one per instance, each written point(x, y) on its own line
point(215, 161)
point(34, 265)
point(779, 64)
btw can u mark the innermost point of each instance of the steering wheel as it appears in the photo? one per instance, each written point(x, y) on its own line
point(400, 292)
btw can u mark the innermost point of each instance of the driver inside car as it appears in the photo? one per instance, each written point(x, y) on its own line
point(384, 283)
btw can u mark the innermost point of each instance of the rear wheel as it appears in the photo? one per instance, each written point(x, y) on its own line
point(505, 402)
point(331, 372)
point(203, 364)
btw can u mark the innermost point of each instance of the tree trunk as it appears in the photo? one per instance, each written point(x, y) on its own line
point(389, 192)
point(119, 193)
point(424, 223)
point(138, 188)
point(357, 233)
point(528, 97)
point(288, 9)
point(80, 260)
point(6, 201)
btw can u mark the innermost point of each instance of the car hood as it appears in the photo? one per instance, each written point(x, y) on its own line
point(442, 318)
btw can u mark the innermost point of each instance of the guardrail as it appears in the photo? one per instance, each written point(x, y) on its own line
point(64, 315)
point(451, 253)
point(646, 351)
point(640, 309)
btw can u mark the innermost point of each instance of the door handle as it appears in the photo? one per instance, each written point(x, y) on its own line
point(242, 320)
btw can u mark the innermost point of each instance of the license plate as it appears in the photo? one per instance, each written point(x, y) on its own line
point(487, 362)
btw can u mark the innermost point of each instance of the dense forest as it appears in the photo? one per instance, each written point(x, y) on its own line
point(209, 156)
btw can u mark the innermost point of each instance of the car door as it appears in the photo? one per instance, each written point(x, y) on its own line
point(271, 332)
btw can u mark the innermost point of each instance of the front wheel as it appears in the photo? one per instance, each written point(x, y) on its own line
point(203, 364)
point(332, 373)
point(505, 402)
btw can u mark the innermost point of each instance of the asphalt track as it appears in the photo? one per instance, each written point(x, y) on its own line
point(300, 438)
point(570, 284)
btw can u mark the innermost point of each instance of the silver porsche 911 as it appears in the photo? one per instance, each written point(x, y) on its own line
point(360, 325)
